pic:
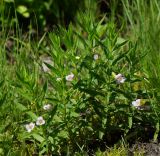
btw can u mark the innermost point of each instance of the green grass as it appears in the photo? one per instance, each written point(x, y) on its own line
point(90, 104)
point(118, 151)
point(144, 18)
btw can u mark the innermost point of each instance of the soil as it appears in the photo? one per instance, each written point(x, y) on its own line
point(147, 149)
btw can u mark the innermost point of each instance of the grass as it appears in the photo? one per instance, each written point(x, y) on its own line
point(118, 151)
point(83, 82)
point(145, 29)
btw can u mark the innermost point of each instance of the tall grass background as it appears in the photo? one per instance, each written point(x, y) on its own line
point(144, 19)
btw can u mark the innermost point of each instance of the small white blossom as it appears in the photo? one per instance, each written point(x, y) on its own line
point(58, 79)
point(96, 56)
point(70, 77)
point(136, 103)
point(40, 121)
point(120, 78)
point(139, 105)
point(47, 107)
point(30, 126)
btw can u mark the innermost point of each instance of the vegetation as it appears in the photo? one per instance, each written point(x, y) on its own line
point(42, 15)
point(82, 89)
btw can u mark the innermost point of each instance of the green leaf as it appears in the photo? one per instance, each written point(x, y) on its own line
point(52, 99)
point(32, 115)
point(38, 137)
point(98, 77)
point(119, 45)
point(120, 40)
point(53, 69)
point(81, 39)
point(8, 1)
point(74, 114)
point(26, 14)
point(91, 91)
point(87, 62)
point(101, 134)
point(23, 10)
point(25, 135)
point(97, 106)
point(22, 79)
point(119, 57)
point(57, 119)
point(3, 99)
point(125, 94)
point(63, 134)
point(20, 107)
point(156, 132)
point(130, 122)
point(1, 83)
point(45, 87)
point(139, 118)
point(41, 40)
point(53, 112)
point(25, 94)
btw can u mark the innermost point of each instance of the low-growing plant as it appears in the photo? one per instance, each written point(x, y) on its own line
point(86, 91)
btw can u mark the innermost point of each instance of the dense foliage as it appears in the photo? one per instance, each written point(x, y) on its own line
point(77, 90)
point(42, 14)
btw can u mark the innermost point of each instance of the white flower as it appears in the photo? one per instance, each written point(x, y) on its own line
point(120, 78)
point(70, 77)
point(139, 105)
point(40, 121)
point(30, 126)
point(96, 56)
point(47, 107)
point(58, 79)
point(136, 103)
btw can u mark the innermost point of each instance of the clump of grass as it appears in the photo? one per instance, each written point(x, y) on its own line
point(118, 151)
